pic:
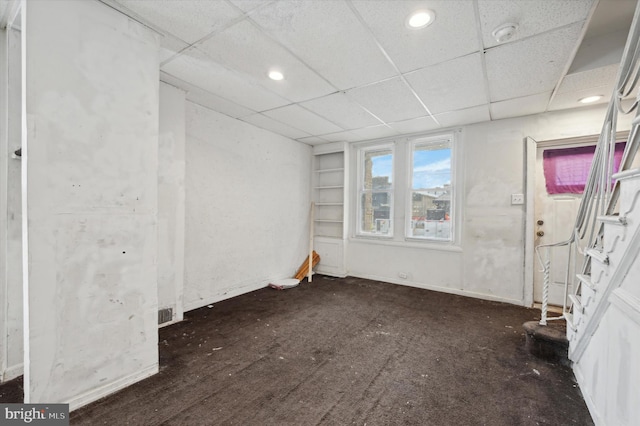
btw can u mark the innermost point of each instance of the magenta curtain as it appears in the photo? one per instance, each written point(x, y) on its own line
point(566, 169)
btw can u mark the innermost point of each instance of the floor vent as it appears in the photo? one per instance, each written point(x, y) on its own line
point(165, 315)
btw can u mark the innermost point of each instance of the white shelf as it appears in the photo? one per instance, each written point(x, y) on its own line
point(329, 184)
point(341, 169)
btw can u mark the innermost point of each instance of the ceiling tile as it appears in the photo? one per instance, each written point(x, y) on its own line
point(570, 99)
point(274, 126)
point(476, 114)
point(530, 66)
point(202, 97)
point(339, 109)
point(603, 76)
point(453, 33)
point(255, 54)
point(415, 125)
point(374, 132)
point(451, 85)
point(196, 68)
point(170, 46)
point(526, 105)
point(390, 100)
point(249, 5)
point(189, 20)
point(300, 118)
point(532, 17)
point(312, 140)
point(328, 37)
point(345, 136)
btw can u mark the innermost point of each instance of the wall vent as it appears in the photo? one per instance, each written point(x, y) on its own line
point(165, 315)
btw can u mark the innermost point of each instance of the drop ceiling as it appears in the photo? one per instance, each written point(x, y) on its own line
point(353, 70)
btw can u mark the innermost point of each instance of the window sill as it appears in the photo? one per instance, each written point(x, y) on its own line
point(408, 243)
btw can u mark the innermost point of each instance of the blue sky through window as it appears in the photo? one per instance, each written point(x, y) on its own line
point(382, 166)
point(431, 168)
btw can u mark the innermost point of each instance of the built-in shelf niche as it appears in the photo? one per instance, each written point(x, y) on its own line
point(330, 207)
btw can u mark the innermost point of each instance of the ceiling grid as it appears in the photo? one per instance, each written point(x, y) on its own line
point(354, 70)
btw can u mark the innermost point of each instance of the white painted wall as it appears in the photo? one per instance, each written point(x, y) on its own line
point(488, 261)
point(4, 155)
point(247, 207)
point(171, 199)
point(11, 215)
point(90, 179)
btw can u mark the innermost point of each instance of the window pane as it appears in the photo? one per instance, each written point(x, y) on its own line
point(378, 169)
point(431, 215)
point(566, 169)
point(431, 191)
point(431, 167)
point(376, 213)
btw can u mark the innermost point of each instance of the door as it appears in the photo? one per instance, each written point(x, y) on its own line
point(554, 219)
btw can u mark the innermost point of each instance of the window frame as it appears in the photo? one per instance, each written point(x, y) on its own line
point(361, 152)
point(438, 139)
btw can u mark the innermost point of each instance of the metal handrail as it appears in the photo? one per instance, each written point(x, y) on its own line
point(600, 197)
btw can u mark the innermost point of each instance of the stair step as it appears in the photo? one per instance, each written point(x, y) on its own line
point(576, 303)
point(627, 174)
point(586, 280)
point(614, 220)
point(569, 318)
point(598, 255)
point(547, 341)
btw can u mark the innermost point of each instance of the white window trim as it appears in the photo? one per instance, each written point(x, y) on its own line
point(450, 137)
point(360, 190)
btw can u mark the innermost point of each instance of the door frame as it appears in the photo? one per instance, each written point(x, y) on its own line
point(530, 148)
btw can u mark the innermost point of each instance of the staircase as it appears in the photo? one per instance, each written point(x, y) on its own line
point(603, 313)
point(603, 324)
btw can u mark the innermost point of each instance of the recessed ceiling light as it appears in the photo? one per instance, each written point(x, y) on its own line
point(275, 75)
point(504, 32)
point(590, 99)
point(420, 19)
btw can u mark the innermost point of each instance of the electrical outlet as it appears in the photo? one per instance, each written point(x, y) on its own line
point(402, 275)
point(517, 199)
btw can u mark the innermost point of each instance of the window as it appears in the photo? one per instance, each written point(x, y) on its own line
point(375, 191)
point(566, 169)
point(430, 190)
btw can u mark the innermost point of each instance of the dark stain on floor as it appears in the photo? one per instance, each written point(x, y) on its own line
point(347, 351)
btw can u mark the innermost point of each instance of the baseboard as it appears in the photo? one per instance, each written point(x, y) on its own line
point(455, 291)
point(238, 291)
point(332, 272)
point(12, 372)
point(591, 406)
point(102, 391)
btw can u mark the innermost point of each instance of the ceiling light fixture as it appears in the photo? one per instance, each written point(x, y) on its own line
point(590, 99)
point(276, 75)
point(420, 19)
point(504, 32)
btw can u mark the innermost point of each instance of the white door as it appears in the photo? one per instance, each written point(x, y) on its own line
point(554, 219)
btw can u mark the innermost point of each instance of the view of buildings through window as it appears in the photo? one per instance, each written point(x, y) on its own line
point(429, 206)
point(431, 191)
point(376, 192)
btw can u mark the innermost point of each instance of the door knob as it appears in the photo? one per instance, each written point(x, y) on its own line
point(540, 233)
point(540, 222)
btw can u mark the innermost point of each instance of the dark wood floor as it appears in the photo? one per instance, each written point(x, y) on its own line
point(347, 351)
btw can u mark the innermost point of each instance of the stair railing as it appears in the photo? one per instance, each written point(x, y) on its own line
point(600, 196)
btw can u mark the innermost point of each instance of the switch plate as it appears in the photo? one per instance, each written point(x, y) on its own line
point(517, 199)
